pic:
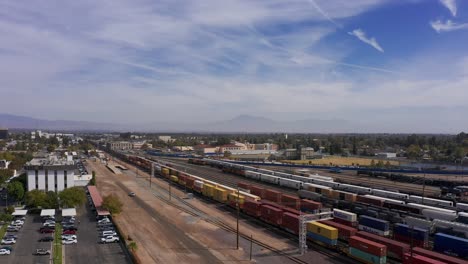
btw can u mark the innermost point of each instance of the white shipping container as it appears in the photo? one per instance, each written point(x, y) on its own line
point(252, 175)
point(389, 194)
point(437, 214)
point(459, 227)
point(430, 201)
point(198, 183)
point(290, 183)
point(462, 206)
point(269, 178)
point(348, 216)
point(418, 222)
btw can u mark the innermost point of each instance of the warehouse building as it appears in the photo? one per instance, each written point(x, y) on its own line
point(50, 174)
point(120, 145)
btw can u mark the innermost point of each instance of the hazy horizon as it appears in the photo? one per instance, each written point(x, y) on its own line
point(391, 65)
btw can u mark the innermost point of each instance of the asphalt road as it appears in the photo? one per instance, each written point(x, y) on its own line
point(27, 243)
point(88, 250)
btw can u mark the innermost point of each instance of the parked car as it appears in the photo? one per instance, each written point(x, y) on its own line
point(66, 237)
point(10, 248)
point(46, 230)
point(132, 194)
point(109, 233)
point(41, 252)
point(5, 252)
point(48, 224)
point(8, 241)
point(10, 236)
point(110, 239)
point(69, 232)
point(69, 241)
point(12, 229)
point(46, 239)
point(70, 228)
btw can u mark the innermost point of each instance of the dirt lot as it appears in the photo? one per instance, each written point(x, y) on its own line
point(166, 235)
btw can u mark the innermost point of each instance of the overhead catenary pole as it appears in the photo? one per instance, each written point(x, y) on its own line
point(152, 173)
point(251, 246)
point(237, 207)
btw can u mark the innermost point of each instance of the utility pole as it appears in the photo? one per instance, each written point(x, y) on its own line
point(170, 191)
point(424, 188)
point(152, 173)
point(251, 246)
point(237, 206)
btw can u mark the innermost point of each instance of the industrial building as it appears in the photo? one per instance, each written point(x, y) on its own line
point(386, 155)
point(302, 153)
point(120, 145)
point(3, 133)
point(50, 174)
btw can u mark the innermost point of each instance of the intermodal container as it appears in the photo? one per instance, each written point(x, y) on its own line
point(344, 232)
point(366, 257)
point(368, 246)
point(252, 208)
point(369, 200)
point(174, 178)
point(322, 230)
point(233, 200)
point(271, 214)
point(290, 222)
point(257, 191)
point(291, 201)
point(165, 171)
point(208, 190)
point(395, 249)
point(321, 239)
point(182, 179)
point(326, 192)
point(243, 185)
point(451, 245)
point(344, 222)
point(310, 206)
point(419, 259)
point(189, 182)
point(272, 195)
point(417, 236)
point(348, 216)
point(374, 225)
point(345, 196)
point(220, 195)
point(198, 186)
point(438, 256)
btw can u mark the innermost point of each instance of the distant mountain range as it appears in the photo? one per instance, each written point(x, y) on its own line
point(242, 123)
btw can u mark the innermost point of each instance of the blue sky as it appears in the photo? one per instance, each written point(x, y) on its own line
point(397, 62)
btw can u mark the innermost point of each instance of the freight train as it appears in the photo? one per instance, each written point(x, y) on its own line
point(341, 233)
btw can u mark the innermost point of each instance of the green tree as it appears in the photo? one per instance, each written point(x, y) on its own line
point(36, 198)
point(16, 190)
point(9, 210)
point(93, 179)
point(380, 164)
point(413, 151)
point(112, 204)
point(132, 246)
point(51, 200)
point(51, 148)
point(372, 163)
point(387, 164)
point(72, 197)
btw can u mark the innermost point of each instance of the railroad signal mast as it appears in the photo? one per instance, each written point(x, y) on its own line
point(324, 214)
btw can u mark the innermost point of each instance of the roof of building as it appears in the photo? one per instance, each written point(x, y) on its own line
point(69, 212)
point(203, 146)
point(230, 146)
point(47, 212)
point(95, 196)
point(19, 212)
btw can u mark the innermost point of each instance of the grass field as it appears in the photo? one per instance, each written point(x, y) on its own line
point(342, 161)
point(58, 244)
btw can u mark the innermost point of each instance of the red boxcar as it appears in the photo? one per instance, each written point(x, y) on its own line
point(257, 191)
point(290, 222)
point(272, 195)
point(271, 214)
point(344, 231)
point(252, 208)
point(291, 201)
point(407, 240)
point(291, 211)
point(344, 222)
point(189, 182)
point(438, 256)
point(310, 206)
point(419, 259)
point(395, 248)
point(243, 185)
point(367, 200)
point(368, 246)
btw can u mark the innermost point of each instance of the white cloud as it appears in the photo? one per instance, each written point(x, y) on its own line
point(451, 5)
point(361, 35)
point(447, 26)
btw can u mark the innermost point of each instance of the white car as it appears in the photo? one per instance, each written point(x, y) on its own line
point(8, 241)
point(109, 233)
point(4, 251)
point(69, 241)
point(20, 222)
point(68, 237)
point(48, 224)
point(110, 239)
point(104, 220)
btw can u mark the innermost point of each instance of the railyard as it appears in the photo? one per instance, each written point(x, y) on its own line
point(173, 230)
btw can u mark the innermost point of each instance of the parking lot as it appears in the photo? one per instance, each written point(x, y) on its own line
point(88, 250)
point(27, 243)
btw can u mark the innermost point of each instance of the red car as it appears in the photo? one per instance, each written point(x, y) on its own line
point(45, 230)
point(69, 232)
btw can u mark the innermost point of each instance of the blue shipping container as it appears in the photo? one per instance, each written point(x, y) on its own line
point(374, 223)
point(366, 257)
point(319, 238)
point(418, 233)
point(451, 245)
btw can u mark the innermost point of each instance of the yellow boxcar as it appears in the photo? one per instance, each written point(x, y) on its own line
point(174, 178)
point(181, 182)
point(323, 230)
point(165, 171)
point(232, 200)
point(220, 195)
point(208, 190)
